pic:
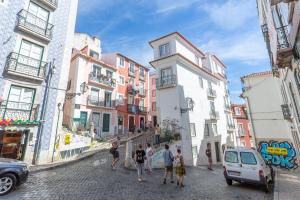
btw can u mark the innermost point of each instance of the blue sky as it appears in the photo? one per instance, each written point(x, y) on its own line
point(228, 28)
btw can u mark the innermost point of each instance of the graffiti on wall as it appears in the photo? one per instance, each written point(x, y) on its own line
point(280, 154)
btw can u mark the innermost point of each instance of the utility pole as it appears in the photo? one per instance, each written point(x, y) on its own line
point(55, 138)
point(37, 147)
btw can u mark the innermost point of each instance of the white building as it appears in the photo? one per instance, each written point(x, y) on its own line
point(95, 81)
point(184, 72)
point(270, 118)
point(33, 33)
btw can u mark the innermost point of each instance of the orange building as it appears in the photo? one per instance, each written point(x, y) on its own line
point(132, 92)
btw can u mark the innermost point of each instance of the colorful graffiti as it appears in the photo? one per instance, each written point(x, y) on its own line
point(8, 122)
point(280, 154)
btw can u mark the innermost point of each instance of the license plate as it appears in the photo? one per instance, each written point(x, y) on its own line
point(234, 173)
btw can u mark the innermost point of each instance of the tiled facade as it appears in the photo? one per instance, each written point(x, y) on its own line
point(31, 40)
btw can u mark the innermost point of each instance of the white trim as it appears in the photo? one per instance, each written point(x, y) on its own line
point(119, 62)
point(119, 80)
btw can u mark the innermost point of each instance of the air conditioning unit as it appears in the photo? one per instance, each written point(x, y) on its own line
point(286, 111)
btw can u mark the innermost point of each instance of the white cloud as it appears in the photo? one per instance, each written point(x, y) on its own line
point(168, 6)
point(231, 14)
point(247, 47)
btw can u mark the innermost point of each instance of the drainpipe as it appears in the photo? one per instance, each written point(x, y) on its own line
point(250, 119)
point(55, 138)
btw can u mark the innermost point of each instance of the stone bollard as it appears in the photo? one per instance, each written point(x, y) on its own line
point(128, 154)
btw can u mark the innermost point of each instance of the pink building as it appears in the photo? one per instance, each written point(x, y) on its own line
point(152, 94)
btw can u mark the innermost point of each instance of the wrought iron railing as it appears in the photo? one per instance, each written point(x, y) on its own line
point(33, 23)
point(132, 89)
point(132, 108)
point(166, 82)
point(214, 115)
point(52, 2)
point(106, 80)
point(19, 110)
point(95, 101)
point(142, 109)
point(131, 73)
point(142, 92)
point(26, 65)
point(282, 37)
point(211, 92)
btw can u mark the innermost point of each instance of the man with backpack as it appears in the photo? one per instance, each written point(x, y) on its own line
point(140, 159)
point(168, 160)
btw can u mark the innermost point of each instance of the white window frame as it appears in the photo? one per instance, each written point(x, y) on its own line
point(121, 58)
point(123, 102)
point(214, 129)
point(193, 130)
point(123, 77)
point(164, 49)
point(237, 110)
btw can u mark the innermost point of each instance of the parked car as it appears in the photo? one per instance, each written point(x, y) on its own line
point(12, 173)
point(247, 165)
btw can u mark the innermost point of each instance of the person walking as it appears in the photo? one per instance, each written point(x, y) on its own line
point(140, 159)
point(115, 153)
point(149, 154)
point(208, 154)
point(157, 134)
point(168, 160)
point(179, 168)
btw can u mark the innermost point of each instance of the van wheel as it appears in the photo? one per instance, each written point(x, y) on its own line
point(228, 181)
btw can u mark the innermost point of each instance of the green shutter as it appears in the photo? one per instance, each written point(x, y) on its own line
point(106, 122)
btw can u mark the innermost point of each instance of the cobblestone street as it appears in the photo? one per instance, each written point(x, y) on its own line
point(93, 179)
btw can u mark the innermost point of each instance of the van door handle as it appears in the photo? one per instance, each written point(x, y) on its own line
point(241, 165)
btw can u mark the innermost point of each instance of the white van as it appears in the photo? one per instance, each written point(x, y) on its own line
point(247, 165)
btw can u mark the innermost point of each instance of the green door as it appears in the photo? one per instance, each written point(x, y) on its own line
point(83, 119)
point(106, 122)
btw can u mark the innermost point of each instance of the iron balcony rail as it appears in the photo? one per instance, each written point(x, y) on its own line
point(142, 92)
point(132, 89)
point(166, 82)
point(95, 101)
point(132, 108)
point(131, 73)
point(26, 65)
point(211, 92)
point(35, 24)
point(214, 115)
point(51, 2)
point(106, 80)
point(19, 110)
point(142, 109)
point(282, 37)
point(230, 126)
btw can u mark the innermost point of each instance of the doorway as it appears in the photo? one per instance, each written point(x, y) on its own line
point(96, 121)
point(131, 123)
point(120, 124)
point(142, 123)
point(217, 149)
point(154, 121)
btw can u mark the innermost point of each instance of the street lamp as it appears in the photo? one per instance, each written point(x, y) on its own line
point(37, 147)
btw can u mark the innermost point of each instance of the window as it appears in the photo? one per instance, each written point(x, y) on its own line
point(142, 102)
point(248, 158)
point(131, 67)
point(237, 110)
point(153, 106)
point(94, 54)
point(94, 95)
point(121, 99)
point(121, 62)
point(241, 130)
point(153, 93)
point(106, 122)
point(142, 72)
point(195, 151)
point(212, 106)
point(166, 76)
point(201, 82)
point(193, 129)
point(215, 129)
point(121, 80)
point(209, 84)
point(39, 16)
point(164, 50)
point(96, 70)
point(130, 99)
point(231, 157)
point(153, 81)
point(30, 50)
point(206, 130)
point(107, 99)
point(109, 73)
point(197, 60)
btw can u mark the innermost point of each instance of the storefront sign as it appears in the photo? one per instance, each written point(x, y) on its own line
point(9, 122)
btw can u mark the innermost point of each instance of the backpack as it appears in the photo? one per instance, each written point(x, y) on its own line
point(111, 150)
point(177, 162)
point(139, 156)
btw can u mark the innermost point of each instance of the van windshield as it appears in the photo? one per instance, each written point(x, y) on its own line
point(231, 157)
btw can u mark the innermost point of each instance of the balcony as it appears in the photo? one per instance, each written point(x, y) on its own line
point(142, 109)
point(103, 80)
point(286, 112)
point(214, 115)
point(275, 2)
point(19, 111)
point(131, 73)
point(95, 101)
point(142, 92)
point(284, 49)
point(142, 77)
point(132, 90)
point(25, 66)
point(211, 93)
point(33, 25)
point(132, 108)
point(52, 4)
point(230, 127)
point(166, 82)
